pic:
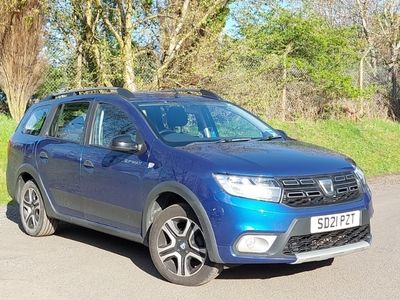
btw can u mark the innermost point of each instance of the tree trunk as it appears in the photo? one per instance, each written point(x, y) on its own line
point(101, 70)
point(123, 35)
point(181, 33)
point(91, 42)
point(361, 79)
point(394, 91)
point(393, 70)
point(284, 93)
point(284, 80)
point(127, 51)
point(17, 101)
point(361, 73)
point(79, 66)
point(129, 73)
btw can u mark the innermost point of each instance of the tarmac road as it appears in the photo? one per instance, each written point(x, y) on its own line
point(77, 263)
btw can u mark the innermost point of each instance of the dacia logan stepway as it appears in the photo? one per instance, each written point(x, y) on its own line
point(200, 181)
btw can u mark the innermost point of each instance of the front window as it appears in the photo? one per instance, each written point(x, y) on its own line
point(110, 122)
point(182, 122)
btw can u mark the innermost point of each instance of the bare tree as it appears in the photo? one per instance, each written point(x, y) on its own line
point(173, 28)
point(122, 30)
point(87, 17)
point(183, 24)
point(21, 42)
point(389, 22)
point(380, 21)
point(379, 24)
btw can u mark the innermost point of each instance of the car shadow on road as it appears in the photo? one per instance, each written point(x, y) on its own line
point(140, 256)
point(137, 253)
point(12, 212)
point(267, 271)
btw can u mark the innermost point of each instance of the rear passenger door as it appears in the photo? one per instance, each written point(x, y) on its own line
point(111, 180)
point(59, 156)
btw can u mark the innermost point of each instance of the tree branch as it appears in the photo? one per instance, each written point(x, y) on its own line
point(109, 24)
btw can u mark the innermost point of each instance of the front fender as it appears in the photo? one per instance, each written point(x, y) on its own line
point(195, 204)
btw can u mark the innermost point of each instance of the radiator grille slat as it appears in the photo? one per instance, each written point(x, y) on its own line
point(306, 191)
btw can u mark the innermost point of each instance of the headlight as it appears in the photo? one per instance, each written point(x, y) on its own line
point(360, 175)
point(259, 188)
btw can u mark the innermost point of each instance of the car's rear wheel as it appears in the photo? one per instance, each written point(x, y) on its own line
point(32, 211)
point(178, 249)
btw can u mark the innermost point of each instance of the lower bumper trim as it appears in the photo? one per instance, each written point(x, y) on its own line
point(331, 252)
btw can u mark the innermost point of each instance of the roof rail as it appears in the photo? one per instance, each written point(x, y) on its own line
point(120, 91)
point(202, 92)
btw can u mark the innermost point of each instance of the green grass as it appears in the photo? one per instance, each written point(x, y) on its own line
point(7, 127)
point(373, 144)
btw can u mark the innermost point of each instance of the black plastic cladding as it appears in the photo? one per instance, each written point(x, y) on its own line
point(319, 241)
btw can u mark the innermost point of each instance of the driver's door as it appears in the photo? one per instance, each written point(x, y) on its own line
point(111, 180)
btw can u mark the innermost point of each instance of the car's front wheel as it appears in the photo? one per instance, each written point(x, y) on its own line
point(32, 211)
point(178, 249)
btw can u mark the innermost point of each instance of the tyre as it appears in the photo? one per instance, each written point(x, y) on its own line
point(329, 261)
point(32, 211)
point(177, 247)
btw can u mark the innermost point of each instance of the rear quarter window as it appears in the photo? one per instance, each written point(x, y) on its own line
point(35, 121)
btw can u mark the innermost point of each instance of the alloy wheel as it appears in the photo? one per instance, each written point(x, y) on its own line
point(181, 246)
point(31, 208)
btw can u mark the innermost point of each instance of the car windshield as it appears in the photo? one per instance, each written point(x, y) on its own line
point(179, 123)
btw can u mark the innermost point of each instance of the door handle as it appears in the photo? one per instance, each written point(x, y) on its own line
point(88, 164)
point(43, 155)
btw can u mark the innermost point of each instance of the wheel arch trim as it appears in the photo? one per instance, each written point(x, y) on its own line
point(191, 199)
point(27, 168)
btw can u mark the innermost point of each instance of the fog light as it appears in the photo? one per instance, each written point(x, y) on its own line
point(255, 243)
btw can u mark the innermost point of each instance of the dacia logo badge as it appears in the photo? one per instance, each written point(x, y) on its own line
point(327, 186)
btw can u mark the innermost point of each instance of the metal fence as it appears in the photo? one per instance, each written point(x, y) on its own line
point(260, 90)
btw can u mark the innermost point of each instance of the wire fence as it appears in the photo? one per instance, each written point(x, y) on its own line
point(262, 91)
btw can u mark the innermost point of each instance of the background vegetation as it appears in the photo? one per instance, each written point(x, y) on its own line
point(281, 59)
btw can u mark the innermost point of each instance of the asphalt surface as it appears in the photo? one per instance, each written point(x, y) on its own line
point(77, 263)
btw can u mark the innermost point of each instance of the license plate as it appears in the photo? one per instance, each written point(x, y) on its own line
point(335, 222)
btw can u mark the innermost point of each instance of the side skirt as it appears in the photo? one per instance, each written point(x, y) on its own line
point(102, 228)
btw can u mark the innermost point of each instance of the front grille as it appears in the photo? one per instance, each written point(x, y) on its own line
point(318, 241)
point(306, 191)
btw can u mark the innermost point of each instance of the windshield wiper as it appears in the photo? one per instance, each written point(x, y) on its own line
point(269, 138)
point(233, 140)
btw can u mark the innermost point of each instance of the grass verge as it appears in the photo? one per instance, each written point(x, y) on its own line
point(7, 127)
point(374, 144)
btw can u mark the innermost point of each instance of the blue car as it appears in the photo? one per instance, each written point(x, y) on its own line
point(200, 181)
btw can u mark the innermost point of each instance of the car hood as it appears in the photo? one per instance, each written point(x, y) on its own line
point(270, 158)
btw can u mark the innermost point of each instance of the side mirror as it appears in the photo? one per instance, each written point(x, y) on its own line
point(283, 134)
point(125, 143)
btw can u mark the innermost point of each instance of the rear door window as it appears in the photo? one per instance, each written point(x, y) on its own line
point(69, 122)
point(36, 120)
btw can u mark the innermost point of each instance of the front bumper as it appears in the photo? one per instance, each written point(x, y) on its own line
point(331, 252)
point(237, 216)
